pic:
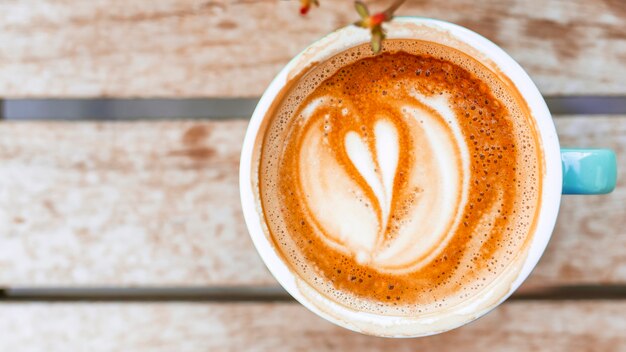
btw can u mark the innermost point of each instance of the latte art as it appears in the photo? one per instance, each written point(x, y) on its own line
point(399, 184)
point(384, 185)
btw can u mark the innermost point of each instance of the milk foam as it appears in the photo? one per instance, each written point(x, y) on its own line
point(349, 221)
point(401, 185)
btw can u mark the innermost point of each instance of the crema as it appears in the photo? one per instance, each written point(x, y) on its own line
point(402, 183)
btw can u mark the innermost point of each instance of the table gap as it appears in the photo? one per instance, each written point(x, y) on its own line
point(259, 294)
point(227, 108)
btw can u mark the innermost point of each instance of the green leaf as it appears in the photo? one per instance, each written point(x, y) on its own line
point(377, 39)
point(361, 8)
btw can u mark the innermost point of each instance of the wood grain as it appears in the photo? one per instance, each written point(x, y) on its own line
point(587, 243)
point(123, 203)
point(229, 48)
point(157, 203)
point(519, 326)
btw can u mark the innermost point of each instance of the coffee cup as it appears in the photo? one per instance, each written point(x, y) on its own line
point(564, 171)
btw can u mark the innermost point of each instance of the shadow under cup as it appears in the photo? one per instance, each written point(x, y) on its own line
point(586, 172)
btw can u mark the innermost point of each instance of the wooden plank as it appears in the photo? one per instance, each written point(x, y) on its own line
point(518, 326)
point(156, 203)
point(123, 203)
point(587, 243)
point(187, 48)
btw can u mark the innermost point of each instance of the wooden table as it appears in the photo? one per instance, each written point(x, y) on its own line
point(128, 235)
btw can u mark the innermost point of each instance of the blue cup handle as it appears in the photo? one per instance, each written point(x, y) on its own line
point(588, 171)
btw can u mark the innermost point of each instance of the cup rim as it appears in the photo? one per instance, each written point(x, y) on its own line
point(330, 45)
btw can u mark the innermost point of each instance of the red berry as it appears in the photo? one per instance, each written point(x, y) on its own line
point(378, 18)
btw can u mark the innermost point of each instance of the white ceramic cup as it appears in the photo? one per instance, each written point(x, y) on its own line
point(491, 56)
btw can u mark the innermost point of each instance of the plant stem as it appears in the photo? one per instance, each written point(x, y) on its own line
point(394, 6)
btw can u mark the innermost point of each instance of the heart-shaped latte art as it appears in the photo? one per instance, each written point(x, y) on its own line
point(349, 179)
point(379, 171)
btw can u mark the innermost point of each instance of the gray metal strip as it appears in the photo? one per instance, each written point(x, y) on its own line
point(587, 105)
point(134, 109)
point(127, 109)
point(261, 294)
point(188, 294)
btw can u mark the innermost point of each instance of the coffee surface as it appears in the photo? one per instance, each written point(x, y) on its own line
point(401, 183)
